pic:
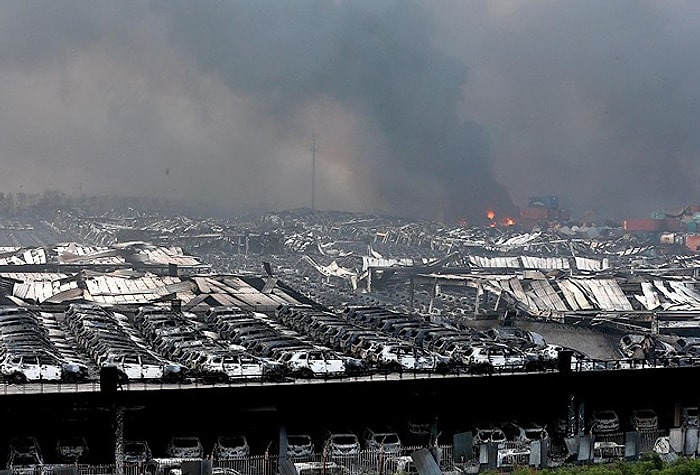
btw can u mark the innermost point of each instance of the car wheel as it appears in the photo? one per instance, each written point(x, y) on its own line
point(18, 378)
point(306, 373)
point(482, 368)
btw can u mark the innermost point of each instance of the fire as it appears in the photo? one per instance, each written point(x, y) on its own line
point(493, 222)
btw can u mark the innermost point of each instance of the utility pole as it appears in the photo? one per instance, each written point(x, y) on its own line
point(314, 149)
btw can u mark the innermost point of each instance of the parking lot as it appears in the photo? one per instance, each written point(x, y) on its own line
point(262, 314)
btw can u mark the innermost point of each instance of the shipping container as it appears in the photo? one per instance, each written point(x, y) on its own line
point(551, 201)
point(674, 225)
point(533, 212)
point(535, 202)
point(644, 225)
point(692, 242)
point(547, 201)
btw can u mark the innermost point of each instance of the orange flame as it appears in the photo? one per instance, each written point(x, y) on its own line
point(490, 214)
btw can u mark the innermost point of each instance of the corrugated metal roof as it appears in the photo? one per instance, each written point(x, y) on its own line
point(513, 286)
point(678, 295)
point(512, 262)
point(649, 299)
point(34, 276)
point(592, 265)
point(115, 290)
point(368, 261)
point(74, 253)
point(40, 291)
point(170, 255)
point(545, 263)
point(546, 296)
point(17, 256)
point(606, 293)
point(575, 297)
point(233, 290)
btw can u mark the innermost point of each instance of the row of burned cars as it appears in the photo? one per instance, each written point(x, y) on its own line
point(228, 343)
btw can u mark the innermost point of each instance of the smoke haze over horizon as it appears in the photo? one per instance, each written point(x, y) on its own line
point(428, 109)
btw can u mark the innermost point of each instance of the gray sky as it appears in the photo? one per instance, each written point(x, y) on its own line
point(436, 109)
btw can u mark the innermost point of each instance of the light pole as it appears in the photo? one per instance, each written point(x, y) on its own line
point(314, 149)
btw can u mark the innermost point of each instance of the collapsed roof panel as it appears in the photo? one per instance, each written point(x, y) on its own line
point(16, 256)
point(605, 292)
point(575, 297)
point(543, 292)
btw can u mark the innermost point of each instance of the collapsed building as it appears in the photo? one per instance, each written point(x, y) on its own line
point(583, 288)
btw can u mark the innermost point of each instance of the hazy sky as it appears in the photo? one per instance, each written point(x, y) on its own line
point(436, 109)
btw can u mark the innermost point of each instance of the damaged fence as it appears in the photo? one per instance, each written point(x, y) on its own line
point(460, 457)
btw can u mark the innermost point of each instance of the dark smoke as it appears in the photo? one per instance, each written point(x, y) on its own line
point(375, 58)
point(422, 108)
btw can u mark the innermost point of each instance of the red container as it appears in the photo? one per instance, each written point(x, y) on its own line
point(534, 213)
point(674, 225)
point(649, 225)
point(692, 242)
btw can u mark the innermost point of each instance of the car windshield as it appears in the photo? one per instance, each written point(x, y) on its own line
point(185, 442)
point(24, 459)
point(387, 438)
point(232, 441)
point(344, 439)
point(134, 448)
point(298, 439)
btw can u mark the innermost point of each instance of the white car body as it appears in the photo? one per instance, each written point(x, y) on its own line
point(314, 363)
point(495, 357)
point(136, 366)
point(20, 368)
point(405, 356)
point(232, 366)
point(511, 457)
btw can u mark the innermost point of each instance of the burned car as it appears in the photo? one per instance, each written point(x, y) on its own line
point(137, 451)
point(387, 441)
point(25, 452)
point(72, 448)
point(644, 419)
point(300, 445)
point(20, 367)
point(313, 363)
point(185, 447)
point(604, 421)
point(231, 447)
point(494, 357)
point(488, 435)
point(639, 347)
point(341, 443)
